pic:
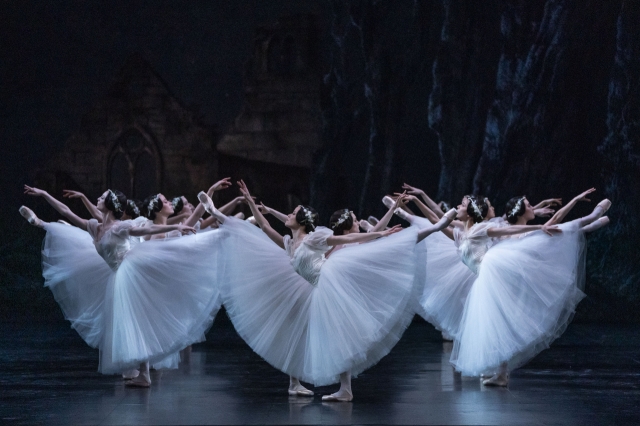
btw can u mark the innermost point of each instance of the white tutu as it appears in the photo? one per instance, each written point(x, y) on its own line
point(447, 284)
point(162, 298)
point(77, 276)
point(347, 322)
point(523, 299)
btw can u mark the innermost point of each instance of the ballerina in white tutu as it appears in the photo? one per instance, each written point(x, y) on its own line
point(311, 317)
point(526, 290)
point(155, 298)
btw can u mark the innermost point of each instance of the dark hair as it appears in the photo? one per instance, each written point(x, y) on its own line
point(513, 211)
point(178, 205)
point(444, 206)
point(132, 208)
point(115, 201)
point(309, 223)
point(340, 221)
point(156, 206)
point(477, 208)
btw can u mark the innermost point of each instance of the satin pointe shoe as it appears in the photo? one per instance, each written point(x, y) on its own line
point(299, 390)
point(340, 396)
point(31, 217)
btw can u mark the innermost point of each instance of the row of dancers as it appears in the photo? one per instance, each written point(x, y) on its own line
point(324, 303)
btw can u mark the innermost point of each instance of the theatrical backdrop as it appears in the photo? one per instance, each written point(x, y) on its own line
point(331, 103)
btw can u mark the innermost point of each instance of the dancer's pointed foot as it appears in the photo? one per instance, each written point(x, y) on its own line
point(239, 215)
point(206, 202)
point(130, 374)
point(141, 381)
point(595, 225)
point(366, 226)
point(388, 201)
point(372, 220)
point(497, 380)
point(402, 214)
point(31, 217)
point(343, 395)
point(604, 205)
point(252, 220)
point(299, 390)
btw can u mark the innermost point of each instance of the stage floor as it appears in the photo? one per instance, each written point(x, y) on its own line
point(591, 375)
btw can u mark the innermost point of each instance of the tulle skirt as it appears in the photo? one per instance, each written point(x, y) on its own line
point(77, 276)
point(523, 299)
point(163, 297)
point(447, 284)
point(353, 317)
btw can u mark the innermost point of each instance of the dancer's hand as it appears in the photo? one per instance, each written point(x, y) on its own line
point(67, 193)
point(412, 189)
point(402, 199)
point(550, 202)
point(390, 231)
point(264, 209)
point(185, 230)
point(583, 196)
point(221, 184)
point(29, 190)
point(245, 192)
point(551, 230)
point(543, 212)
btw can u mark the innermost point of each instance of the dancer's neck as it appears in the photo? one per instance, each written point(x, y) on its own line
point(298, 234)
point(160, 220)
point(521, 221)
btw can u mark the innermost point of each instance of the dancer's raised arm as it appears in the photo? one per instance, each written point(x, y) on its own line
point(364, 237)
point(200, 209)
point(399, 201)
point(560, 214)
point(273, 212)
point(260, 219)
point(429, 202)
point(60, 207)
point(441, 225)
point(93, 210)
point(507, 231)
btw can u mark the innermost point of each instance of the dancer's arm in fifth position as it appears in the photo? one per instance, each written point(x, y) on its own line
point(93, 210)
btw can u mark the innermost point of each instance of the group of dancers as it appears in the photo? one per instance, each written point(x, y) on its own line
point(142, 281)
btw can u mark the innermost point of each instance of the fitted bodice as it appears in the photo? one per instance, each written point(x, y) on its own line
point(308, 257)
point(473, 244)
point(114, 244)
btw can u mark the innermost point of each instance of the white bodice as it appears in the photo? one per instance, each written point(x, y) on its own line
point(114, 244)
point(307, 259)
point(473, 244)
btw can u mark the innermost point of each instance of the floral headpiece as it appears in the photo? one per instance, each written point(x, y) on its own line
point(153, 203)
point(134, 207)
point(114, 200)
point(308, 217)
point(517, 207)
point(344, 216)
point(175, 202)
point(474, 206)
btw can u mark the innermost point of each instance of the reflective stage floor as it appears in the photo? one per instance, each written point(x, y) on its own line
point(590, 376)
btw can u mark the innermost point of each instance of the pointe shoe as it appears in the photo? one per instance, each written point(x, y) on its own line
point(252, 220)
point(31, 217)
point(596, 224)
point(388, 201)
point(130, 374)
point(141, 381)
point(340, 396)
point(299, 390)
point(403, 214)
point(497, 380)
point(239, 215)
point(366, 226)
point(372, 220)
point(604, 205)
point(206, 202)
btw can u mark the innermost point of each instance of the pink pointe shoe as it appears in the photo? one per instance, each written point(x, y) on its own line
point(299, 390)
point(142, 380)
point(239, 215)
point(252, 220)
point(497, 380)
point(604, 205)
point(31, 217)
point(340, 396)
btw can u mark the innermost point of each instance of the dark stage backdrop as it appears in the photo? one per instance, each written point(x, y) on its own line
point(504, 97)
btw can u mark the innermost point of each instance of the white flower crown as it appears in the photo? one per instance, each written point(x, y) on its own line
point(134, 207)
point(344, 216)
point(475, 207)
point(114, 200)
point(152, 204)
point(517, 207)
point(308, 217)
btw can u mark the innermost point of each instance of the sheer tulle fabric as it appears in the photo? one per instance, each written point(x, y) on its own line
point(349, 321)
point(77, 276)
point(447, 284)
point(523, 299)
point(163, 297)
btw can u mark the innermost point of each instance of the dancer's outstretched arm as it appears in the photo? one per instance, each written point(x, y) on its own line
point(521, 229)
point(275, 213)
point(560, 214)
point(142, 231)
point(336, 240)
point(429, 202)
point(93, 210)
point(441, 225)
point(260, 219)
point(382, 223)
point(551, 202)
point(199, 210)
point(432, 217)
point(60, 207)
